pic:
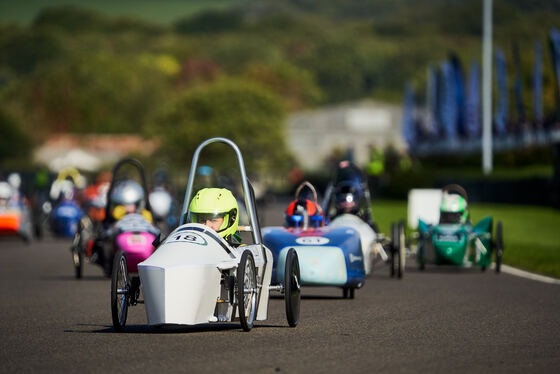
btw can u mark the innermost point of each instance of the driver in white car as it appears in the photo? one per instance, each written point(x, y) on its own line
point(216, 208)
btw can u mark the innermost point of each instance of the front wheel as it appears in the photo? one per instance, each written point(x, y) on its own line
point(499, 245)
point(247, 290)
point(120, 291)
point(292, 287)
point(77, 258)
point(348, 293)
point(396, 250)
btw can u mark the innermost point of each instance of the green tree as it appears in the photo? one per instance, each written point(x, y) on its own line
point(294, 84)
point(71, 19)
point(210, 21)
point(14, 143)
point(21, 51)
point(99, 92)
point(242, 111)
point(339, 70)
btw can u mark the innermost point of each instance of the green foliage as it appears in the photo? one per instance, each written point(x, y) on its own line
point(14, 143)
point(23, 50)
point(294, 84)
point(211, 21)
point(97, 93)
point(246, 113)
point(338, 69)
point(235, 52)
point(71, 19)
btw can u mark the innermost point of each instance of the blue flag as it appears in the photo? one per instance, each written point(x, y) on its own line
point(537, 85)
point(554, 38)
point(432, 103)
point(408, 123)
point(500, 117)
point(472, 108)
point(555, 46)
point(518, 86)
point(459, 94)
point(448, 96)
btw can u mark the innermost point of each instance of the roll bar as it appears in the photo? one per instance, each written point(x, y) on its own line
point(138, 165)
point(310, 187)
point(247, 189)
point(457, 189)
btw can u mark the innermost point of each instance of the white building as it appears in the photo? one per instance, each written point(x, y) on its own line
point(313, 135)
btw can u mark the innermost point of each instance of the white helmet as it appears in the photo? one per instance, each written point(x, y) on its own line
point(5, 190)
point(127, 193)
point(160, 202)
point(14, 180)
point(66, 190)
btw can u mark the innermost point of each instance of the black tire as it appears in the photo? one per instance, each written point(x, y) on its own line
point(107, 261)
point(38, 230)
point(247, 290)
point(351, 292)
point(345, 292)
point(420, 253)
point(78, 259)
point(120, 291)
point(25, 238)
point(292, 287)
point(402, 249)
point(394, 263)
point(499, 246)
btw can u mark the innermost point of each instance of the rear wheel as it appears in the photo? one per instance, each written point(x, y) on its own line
point(499, 246)
point(120, 291)
point(247, 290)
point(292, 288)
point(402, 250)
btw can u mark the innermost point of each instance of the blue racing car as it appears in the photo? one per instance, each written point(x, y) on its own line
point(328, 256)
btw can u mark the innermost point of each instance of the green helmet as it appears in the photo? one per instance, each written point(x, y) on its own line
point(212, 203)
point(453, 209)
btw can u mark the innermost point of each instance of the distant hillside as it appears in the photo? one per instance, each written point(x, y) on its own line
point(159, 11)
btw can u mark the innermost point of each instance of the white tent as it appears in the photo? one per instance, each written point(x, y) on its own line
point(76, 158)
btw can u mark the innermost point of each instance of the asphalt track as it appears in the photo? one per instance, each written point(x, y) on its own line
point(440, 320)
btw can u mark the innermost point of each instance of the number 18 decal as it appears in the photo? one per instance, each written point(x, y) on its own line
point(189, 237)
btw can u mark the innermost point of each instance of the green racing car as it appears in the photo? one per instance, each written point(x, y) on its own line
point(455, 240)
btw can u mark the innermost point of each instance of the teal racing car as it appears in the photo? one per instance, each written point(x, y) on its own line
point(455, 240)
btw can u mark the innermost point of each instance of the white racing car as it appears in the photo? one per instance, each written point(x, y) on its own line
point(196, 277)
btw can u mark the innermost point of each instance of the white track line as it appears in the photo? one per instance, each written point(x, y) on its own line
point(525, 274)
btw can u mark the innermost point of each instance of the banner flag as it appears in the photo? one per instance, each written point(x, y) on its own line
point(459, 94)
point(537, 85)
point(500, 117)
point(431, 103)
point(448, 106)
point(408, 121)
point(554, 38)
point(472, 109)
point(518, 86)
